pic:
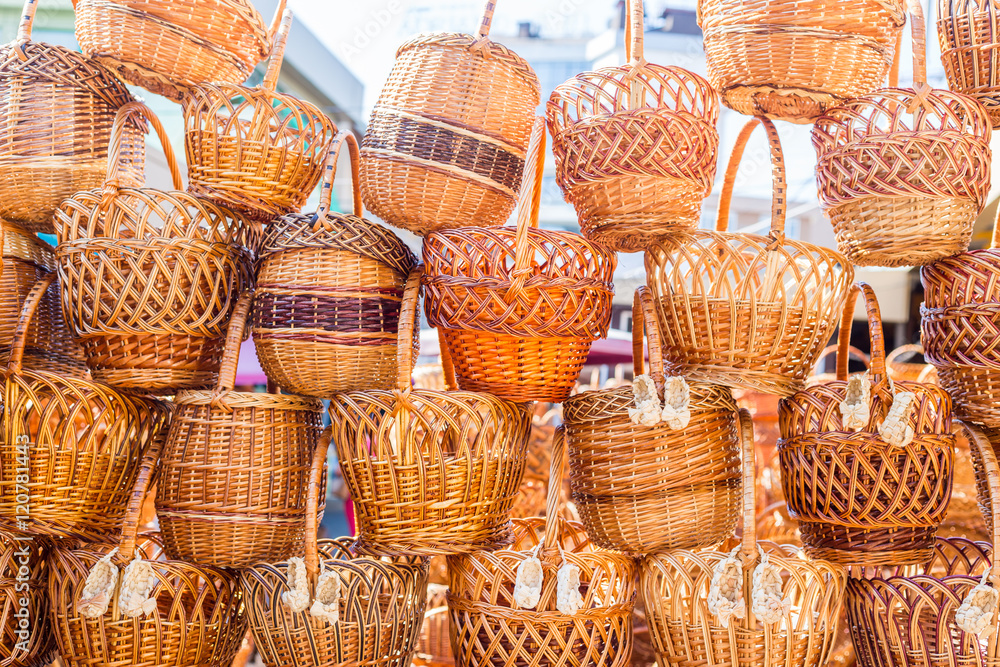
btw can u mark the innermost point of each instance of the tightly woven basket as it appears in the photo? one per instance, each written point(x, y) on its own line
point(793, 60)
point(446, 142)
point(255, 150)
point(234, 486)
point(430, 472)
point(684, 618)
point(862, 495)
point(167, 46)
point(635, 146)
point(25, 633)
point(640, 488)
point(904, 172)
point(329, 291)
point(744, 310)
point(149, 277)
point(488, 627)
point(519, 307)
point(970, 50)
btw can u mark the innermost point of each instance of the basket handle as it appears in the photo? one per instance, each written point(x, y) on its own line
point(989, 460)
point(330, 174)
point(231, 351)
point(34, 298)
point(143, 482)
point(527, 207)
point(778, 190)
point(408, 334)
point(277, 52)
point(486, 21)
point(634, 29)
point(749, 543)
point(312, 507)
point(275, 25)
point(852, 353)
point(125, 113)
point(912, 348)
point(877, 365)
point(995, 236)
point(644, 325)
point(553, 494)
point(918, 36)
point(447, 365)
point(24, 29)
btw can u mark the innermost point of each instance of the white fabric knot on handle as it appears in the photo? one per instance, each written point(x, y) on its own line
point(568, 598)
point(725, 595)
point(855, 409)
point(528, 582)
point(326, 605)
point(676, 410)
point(766, 602)
point(976, 613)
point(137, 584)
point(296, 598)
point(896, 429)
point(98, 587)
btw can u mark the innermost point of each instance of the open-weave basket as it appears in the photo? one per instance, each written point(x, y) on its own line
point(489, 627)
point(870, 488)
point(635, 146)
point(793, 60)
point(429, 472)
point(904, 172)
point(255, 150)
point(166, 46)
point(969, 34)
point(745, 310)
point(446, 142)
point(329, 291)
point(642, 488)
point(790, 623)
point(518, 307)
point(25, 632)
point(57, 111)
point(149, 277)
point(378, 602)
point(235, 475)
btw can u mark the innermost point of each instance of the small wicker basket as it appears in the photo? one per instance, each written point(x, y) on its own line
point(970, 50)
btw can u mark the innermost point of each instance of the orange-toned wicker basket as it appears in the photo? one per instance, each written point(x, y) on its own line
point(434, 642)
point(166, 46)
point(149, 277)
point(235, 481)
point(518, 308)
point(969, 34)
point(446, 142)
point(430, 472)
point(904, 172)
point(793, 60)
point(25, 632)
point(866, 464)
point(329, 290)
point(642, 488)
point(852, 352)
point(745, 310)
point(635, 146)
point(899, 366)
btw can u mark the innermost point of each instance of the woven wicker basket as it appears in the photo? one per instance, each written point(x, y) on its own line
point(434, 642)
point(235, 481)
point(329, 290)
point(744, 310)
point(898, 368)
point(167, 46)
point(635, 146)
point(970, 50)
point(639, 488)
point(903, 173)
point(870, 488)
point(25, 633)
point(149, 277)
point(852, 353)
point(446, 142)
point(684, 617)
point(519, 307)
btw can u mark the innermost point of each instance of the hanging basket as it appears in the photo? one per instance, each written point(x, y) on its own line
point(26, 632)
point(744, 310)
point(970, 50)
point(519, 307)
point(446, 142)
point(635, 146)
point(866, 464)
point(149, 277)
point(329, 291)
point(235, 479)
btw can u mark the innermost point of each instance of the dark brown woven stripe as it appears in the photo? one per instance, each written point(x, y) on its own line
point(329, 313)
point(388, 339)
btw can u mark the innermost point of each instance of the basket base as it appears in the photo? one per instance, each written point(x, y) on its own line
point(322, 369)
point(750, 379)
point(789, 104)
point(973, 392)
point(32, 188)
point(897, 546)
point(633, 233)
point(442, 545)
point(154, 364)
point(227, 541)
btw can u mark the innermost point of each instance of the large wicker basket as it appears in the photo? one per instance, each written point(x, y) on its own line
point(149, 277)
point(635, 146)
point(25, 633)
point(329, 291)
point(969, 34)
point(446, 142)
point(519, 307)
point(744, 310)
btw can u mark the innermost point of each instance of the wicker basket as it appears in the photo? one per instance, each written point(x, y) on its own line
point(255, 150)
point(903, 173)
point(25, 634)
point(518, 308)
point(899, 369)
point(635, 146)
point(434, 642)
point(430, 472)
point(329, 290)
point(790, 623)
point(446, 142)
point(490, 628)
point(852, 352)
point(640, 488)
point(970, 50)
point(744, 310)
point(167, 46)
point(235, 479)
point(870, 487)
point(149, 277)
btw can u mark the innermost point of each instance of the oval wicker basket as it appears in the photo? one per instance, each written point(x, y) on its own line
point(744, 310)
point(970, 50)
point(26, 632)
point(446, 142)
point(329, 291)
point(635, 146)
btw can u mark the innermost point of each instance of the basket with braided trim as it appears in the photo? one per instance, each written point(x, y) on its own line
point(635, 146)
point(970, 50)
point(26, 632)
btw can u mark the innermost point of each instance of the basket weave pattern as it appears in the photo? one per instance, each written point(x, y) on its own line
point(969, 52)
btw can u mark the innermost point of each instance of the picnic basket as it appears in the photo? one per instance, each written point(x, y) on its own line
point(518, 307)
point(967, 31)
point(329, 289)
point(446, 142)
point(149, 277)
point(25, 634)
point(234, 483)
point(745, 310)
point(635, 146)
